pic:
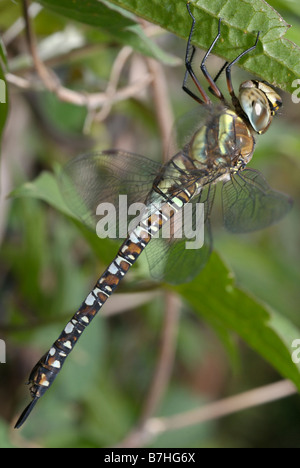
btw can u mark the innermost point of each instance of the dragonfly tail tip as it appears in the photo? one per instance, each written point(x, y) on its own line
point(25, 413)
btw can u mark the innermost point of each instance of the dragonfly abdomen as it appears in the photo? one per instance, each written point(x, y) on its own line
point(46, 370)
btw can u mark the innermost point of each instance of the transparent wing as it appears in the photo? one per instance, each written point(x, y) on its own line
point(179, 257)
point(100, 178)
point(250, 204)
point(186, 126)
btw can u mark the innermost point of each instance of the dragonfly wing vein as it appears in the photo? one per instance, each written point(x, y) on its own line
point(249, 204)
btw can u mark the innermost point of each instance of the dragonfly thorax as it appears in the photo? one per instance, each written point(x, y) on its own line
point(260, 103)
point(225, 141)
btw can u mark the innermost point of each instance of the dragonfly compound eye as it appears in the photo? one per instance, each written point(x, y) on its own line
point(260, 103)
point(256, 106)
point(274, 99)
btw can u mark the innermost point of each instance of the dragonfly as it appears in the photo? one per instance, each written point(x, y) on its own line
point(217, 144)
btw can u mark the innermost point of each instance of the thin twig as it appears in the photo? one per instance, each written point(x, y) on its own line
point(161, 375)
point(21, 82)
point(221, 408)
point(49, 79)
point(259, 396)
point(52, 83)
point(111, 88)
point(165, 360)
point(162, 104)
point(10, 34)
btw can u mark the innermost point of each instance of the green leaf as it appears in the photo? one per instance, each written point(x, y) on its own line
point(45, 187)
point(118, 23)
point(214, 296)
point(275, 59)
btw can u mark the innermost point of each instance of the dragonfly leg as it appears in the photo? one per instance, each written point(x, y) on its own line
point(212, 83)
point(204, 99)
point(219, 73)
point(229, 66)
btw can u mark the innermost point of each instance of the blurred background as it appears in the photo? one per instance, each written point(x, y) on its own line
point(48, 262)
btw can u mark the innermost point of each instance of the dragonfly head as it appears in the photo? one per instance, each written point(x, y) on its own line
point(260, 103)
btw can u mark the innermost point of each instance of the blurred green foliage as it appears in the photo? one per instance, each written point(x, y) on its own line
point(49, 261)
